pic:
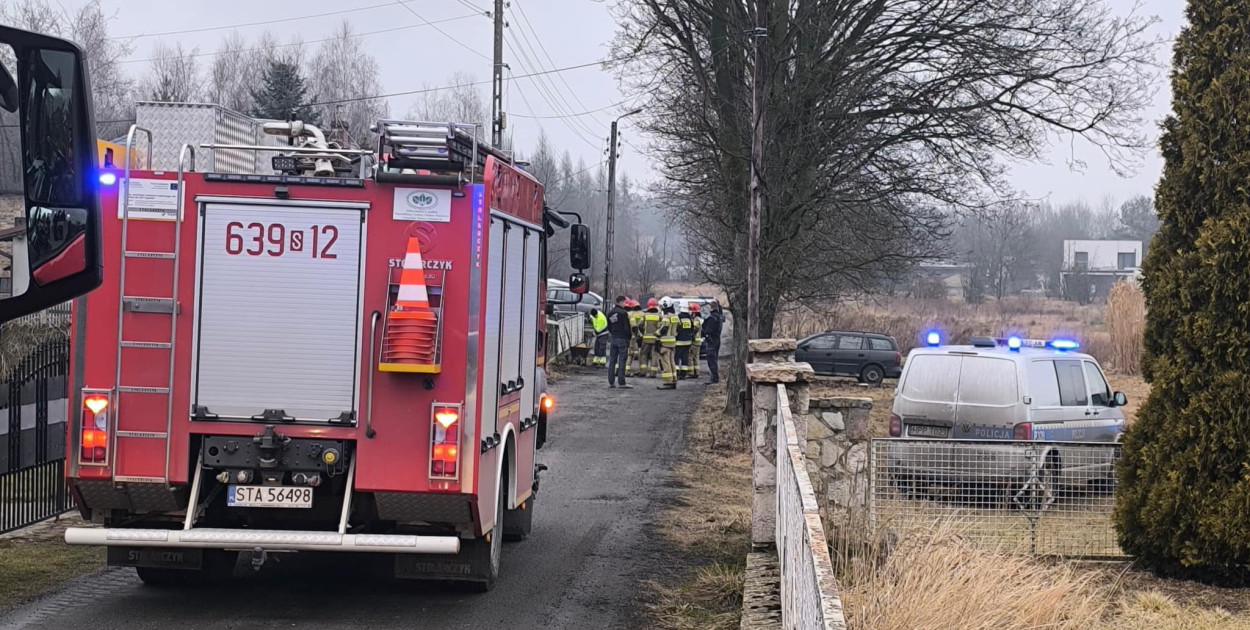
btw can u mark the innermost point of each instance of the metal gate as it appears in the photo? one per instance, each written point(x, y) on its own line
point(1041, 498)
point(32, 437)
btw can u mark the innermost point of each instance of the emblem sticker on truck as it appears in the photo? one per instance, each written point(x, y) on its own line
point(422, 204)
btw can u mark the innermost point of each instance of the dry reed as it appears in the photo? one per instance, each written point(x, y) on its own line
point(1126, 323)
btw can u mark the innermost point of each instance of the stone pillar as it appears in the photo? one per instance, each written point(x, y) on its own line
point(838, 433)
point(764, 374)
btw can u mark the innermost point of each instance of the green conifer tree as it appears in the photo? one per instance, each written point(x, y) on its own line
point(283, 91)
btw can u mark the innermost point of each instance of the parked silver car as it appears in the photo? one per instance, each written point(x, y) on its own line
point(972, 405)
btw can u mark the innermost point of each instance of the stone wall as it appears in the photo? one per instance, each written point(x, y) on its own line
point(838, 433)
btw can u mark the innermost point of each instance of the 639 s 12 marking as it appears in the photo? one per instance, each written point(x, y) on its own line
point(274, 239)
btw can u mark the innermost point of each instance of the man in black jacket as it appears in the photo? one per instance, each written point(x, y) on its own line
point(712, 325)
point(621, 330)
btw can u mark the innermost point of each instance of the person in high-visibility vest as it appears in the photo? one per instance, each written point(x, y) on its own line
point(635, 343)
point(649, 358)
point(668, 344)
point(685, 336)
point(696, 344)
point(600, 323)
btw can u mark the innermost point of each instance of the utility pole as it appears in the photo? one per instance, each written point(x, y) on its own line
point(607, 250)
point(496, 101)
point(760, 33)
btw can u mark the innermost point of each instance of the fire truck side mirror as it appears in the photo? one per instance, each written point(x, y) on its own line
point(578, 283)
point(579, 248)
point(52, 250)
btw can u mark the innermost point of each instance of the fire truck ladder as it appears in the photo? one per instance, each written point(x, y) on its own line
point(155, 305)
point(448, 151)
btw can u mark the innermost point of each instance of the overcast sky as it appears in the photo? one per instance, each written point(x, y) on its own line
point(546, 34)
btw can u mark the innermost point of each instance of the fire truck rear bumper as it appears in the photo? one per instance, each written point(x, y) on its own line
point(269, 540)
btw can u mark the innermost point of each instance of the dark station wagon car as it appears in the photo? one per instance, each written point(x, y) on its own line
point(870, 357)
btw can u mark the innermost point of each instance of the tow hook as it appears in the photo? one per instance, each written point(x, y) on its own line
point(259, 556)
point(538, 468)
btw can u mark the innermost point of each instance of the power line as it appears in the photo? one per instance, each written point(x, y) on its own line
point(314, 41)
point(527, 24)
point(474, 7)
point(442, 32)
point(545, 93)
point(551, 93)
point(574, 115)
point(261, 23)
point(471, 84)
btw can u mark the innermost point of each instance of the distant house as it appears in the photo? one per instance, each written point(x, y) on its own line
point(949, 275)
point(1091, 268)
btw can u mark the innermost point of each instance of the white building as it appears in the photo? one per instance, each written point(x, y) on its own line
point(1095, 266)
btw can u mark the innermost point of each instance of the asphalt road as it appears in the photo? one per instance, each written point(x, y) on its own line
point(583, 567)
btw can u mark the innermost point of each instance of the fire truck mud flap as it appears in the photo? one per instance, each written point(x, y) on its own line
point(269, 540)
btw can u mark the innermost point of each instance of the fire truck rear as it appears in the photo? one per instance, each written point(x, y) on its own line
point(340, 355)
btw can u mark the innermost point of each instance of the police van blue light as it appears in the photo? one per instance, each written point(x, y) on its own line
point(933, 338)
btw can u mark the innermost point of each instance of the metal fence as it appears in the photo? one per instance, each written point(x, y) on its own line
point(565, 334)
point(809, 596)
point(1041, 498)
point(32, 441)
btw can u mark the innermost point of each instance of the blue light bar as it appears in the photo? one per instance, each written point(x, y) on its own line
point(933, 338)
point(108, 179)
point(1014, 343)
point(1064, 344)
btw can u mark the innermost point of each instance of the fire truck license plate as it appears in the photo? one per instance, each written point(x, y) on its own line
point(269, 497)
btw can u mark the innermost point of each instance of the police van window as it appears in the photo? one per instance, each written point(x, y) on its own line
point(1043, 383)
point(1071, 383)
point(880, 344)
point(1099, 390)
point(932, 378)
point(824, 342)
point(850, 342)
point(988, 381)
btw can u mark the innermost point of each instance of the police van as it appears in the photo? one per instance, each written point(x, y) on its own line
point(966, 402)
point(1010, 389)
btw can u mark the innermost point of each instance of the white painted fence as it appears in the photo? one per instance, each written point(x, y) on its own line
point(809, 592)
point(564, 334)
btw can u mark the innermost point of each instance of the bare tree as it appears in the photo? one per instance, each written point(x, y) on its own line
point(173, 75)
point(344, 80)
point(234, 73)
point(459, 101)
point(879, 113)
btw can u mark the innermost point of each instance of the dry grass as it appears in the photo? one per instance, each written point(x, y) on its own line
point(37, 560)
point(1153, 610)
point(710, 522)
point(937, 581)
point(1126, 323)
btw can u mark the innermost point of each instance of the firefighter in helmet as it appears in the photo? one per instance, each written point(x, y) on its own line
point(669, 325)
point(635, 343)
point(696, 344)
point(648, 357)
point(685, 336)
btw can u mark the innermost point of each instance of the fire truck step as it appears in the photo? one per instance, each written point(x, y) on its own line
point(270, 540)
point(160, 255)
point(136, 304)
point(156, 345)
point(158, 435)
point(126, 389)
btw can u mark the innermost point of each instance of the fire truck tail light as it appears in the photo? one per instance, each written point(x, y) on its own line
point(94, 436)
point(445, 442)
point(549, 403)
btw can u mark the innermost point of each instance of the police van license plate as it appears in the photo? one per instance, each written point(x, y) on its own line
point(921, 430)
point(269, 497)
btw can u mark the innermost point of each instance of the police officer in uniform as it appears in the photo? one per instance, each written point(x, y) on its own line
point(669, 325)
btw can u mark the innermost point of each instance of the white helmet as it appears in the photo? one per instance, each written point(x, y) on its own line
point(666, 303)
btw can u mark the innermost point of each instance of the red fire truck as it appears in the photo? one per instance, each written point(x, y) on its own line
point(342, 354)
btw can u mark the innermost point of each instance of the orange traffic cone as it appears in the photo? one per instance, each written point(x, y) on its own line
point(412, 327)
